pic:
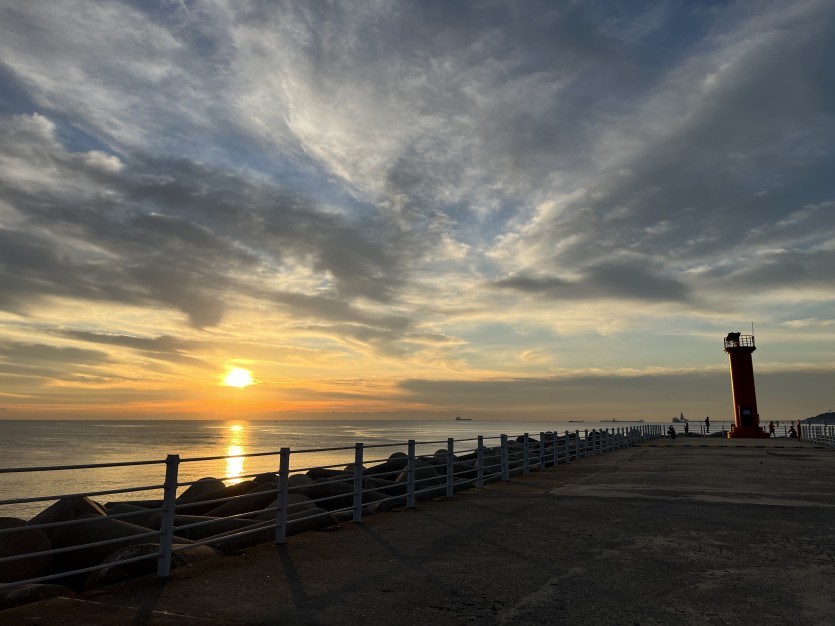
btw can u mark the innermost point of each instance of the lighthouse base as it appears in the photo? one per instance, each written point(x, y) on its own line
point(748, 432)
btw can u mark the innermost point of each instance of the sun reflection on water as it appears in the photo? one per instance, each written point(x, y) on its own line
point(234, 449)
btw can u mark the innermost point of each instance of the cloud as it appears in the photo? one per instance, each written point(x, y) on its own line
point(28, 367)
point(486, 189)
point(633, 396)
point(609, 280)
point(809, 323)
point(172, 232)
point(114, 69)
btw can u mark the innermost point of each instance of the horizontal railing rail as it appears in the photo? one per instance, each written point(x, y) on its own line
point(58, 468)
point(818, 434)
point(266, 506)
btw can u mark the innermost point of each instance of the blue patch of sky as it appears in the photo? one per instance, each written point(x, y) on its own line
point(14, 100)
point(300, 175)
point(492, 225)
point(684, 26)
point(502, 334)
point(75, 139)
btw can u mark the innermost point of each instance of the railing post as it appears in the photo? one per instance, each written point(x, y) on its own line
point(577, 445)
point(410, 475)
point(585, 443)
point(567, 453)
point(526, 463)
point(357, 482)
point(480, 460)
point(450, 467)
point(169, 505)
point(505, 460)
point(541, 451)
point(556, 448)
point(283, 493)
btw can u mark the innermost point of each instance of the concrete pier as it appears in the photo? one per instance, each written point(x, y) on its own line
point(690, 531)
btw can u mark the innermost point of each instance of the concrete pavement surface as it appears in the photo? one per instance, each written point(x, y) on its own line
point(690, 531)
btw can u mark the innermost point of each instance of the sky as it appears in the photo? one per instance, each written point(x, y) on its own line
point(417, 209)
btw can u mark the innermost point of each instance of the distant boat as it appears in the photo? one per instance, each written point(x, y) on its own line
point(575, 421)
point(463, 419)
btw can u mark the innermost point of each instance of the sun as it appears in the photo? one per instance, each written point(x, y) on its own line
point(238, 377)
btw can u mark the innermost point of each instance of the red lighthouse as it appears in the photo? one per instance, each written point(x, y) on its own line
point(746, 419)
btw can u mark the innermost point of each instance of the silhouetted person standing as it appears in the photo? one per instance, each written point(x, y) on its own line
point(707, 424)
point(686, 429)
point(771, 429)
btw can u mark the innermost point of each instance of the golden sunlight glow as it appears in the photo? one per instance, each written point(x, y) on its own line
point(238, 377)
point(234, 449)
point(234, 464)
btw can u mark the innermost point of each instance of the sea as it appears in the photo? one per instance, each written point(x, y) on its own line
point(231, 450)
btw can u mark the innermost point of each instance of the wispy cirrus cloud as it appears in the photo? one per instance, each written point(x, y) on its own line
point(410, 190)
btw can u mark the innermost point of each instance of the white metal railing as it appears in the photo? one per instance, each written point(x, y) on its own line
point(818, 434)
point(341, 495)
